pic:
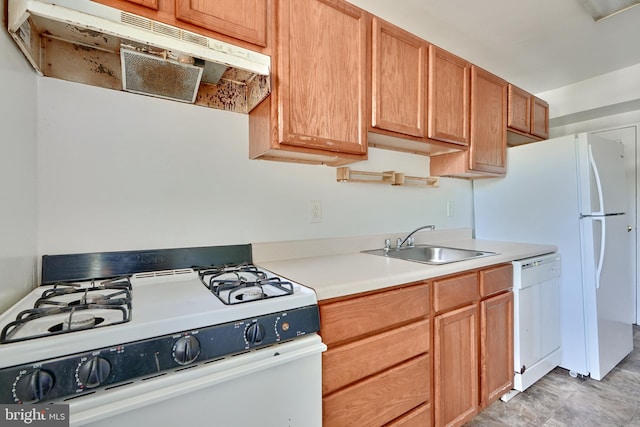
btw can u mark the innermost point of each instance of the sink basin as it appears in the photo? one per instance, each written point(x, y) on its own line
point(429, 254)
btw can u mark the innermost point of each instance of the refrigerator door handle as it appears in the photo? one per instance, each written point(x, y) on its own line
point(602, 247)
point(596, 174)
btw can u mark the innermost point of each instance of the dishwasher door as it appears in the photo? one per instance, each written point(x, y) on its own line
point(536, 288)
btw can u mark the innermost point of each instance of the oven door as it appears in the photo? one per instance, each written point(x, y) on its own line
point(280, 385)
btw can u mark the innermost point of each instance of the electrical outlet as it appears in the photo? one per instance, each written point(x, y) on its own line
point(315, 211)
point(451, 208)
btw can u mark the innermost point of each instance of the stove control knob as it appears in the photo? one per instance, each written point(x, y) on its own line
point(186, 350)
point(34, 386)
point(254, 333)
point(94, 372)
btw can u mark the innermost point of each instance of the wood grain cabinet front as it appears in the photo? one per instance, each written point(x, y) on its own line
point(472, 342)
point(241, 19)
point(528, 117)
point(487, 151)
point(455, 348)
point(496, 333)
point(377, 369)
point(316, 112)
point(398, 80)
point(449, 97)
point(241, 22)
point(496, 347)
point(419, 94)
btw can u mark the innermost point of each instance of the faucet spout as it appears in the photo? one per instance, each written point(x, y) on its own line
point(424, 227)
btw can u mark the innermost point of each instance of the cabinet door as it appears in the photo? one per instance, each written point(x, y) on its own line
point(448, 97)
point(346, 364)
point(519, 104)
point(488, 150)
point(398, 80)
point(381, 398)
point(152, 4)
point(539, 118)
point(497, 279)
point(419, 417)
point(455, 366)
point(496, 347)
point(322, 72)
point(242, 19)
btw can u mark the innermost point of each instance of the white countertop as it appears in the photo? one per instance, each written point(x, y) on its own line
point(343, 274)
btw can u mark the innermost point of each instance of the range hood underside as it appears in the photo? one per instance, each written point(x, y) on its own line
point(75, 54)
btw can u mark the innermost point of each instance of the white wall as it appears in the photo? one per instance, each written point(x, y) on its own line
point(608, 100)
point(17, 173)
point(119, 171)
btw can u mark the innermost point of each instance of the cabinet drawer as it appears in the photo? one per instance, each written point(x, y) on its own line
point(351, 362)
point(419, 417)
point(355, 317)
point(496, 279)
point(455, 291)
point(380, 399)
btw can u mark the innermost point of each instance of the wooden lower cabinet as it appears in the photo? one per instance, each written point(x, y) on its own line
point(380, 399)
point(377, 369)
point(419, 417)
point(422, 354)
point(472, 342)
point(455, 356)
point(496, 347)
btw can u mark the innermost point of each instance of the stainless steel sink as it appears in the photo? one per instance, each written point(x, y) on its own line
point(430, 254)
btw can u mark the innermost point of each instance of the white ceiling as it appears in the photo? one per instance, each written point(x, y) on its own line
point(536, 44)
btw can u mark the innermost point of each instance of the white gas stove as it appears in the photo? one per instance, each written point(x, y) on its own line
point(77, 339)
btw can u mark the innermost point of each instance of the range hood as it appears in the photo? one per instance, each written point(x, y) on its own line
point(95, 44)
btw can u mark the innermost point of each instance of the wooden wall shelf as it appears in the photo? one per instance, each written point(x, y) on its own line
point(345, 174)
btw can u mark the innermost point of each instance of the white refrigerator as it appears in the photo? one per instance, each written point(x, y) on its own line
point(570, 191)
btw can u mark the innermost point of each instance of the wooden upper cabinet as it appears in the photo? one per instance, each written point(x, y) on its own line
point(238, 22)
point(242, 19)
point(448, 97)
point(519, 116)
point(317, 110)
point(528, 117)
point(322, 65)
point(152, 4)
point(539, 118)
point(488, 150)
point(398, 80)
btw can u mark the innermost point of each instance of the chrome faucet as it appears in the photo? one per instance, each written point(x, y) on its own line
point(410, 238)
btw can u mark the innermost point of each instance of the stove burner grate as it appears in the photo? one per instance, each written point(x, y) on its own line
point(109, 292)
point(236, 284)
point(73, 307)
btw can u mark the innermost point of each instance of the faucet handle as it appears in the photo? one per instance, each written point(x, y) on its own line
point(398, 242)
point(387, 244)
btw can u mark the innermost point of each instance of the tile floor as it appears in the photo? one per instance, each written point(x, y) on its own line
point(559, 400)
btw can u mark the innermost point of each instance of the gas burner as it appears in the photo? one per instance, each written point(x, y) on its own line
point(235, 284)
point(238, 270)
point(69, 307)
point(109, 292)
point(80, 321)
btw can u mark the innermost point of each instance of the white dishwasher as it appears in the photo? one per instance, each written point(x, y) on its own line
point(536, 288)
